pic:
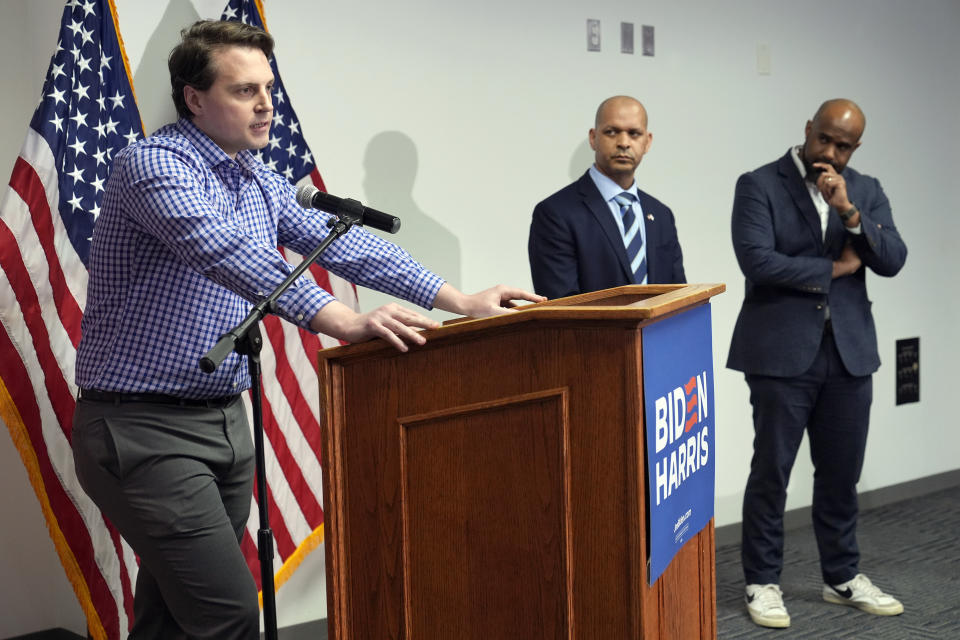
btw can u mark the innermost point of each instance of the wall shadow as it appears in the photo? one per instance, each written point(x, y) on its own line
point(581, 159)
point(151, 78)
point(390, 171)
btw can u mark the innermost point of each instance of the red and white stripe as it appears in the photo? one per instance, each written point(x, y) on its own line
point(42, 292)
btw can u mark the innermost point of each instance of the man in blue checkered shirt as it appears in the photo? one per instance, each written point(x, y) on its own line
point(185, 242)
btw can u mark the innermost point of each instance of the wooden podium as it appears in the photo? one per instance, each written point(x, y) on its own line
point(491, 484)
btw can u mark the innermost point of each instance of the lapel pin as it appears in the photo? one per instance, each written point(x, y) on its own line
point(650, 217)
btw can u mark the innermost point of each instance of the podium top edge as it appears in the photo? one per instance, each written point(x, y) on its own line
point(654, 297)
point(637, 303)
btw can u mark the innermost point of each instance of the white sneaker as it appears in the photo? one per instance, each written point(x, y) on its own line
point(864, 595)
point(765, 605)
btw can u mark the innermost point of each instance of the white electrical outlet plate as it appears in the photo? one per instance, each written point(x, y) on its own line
point(763, 59)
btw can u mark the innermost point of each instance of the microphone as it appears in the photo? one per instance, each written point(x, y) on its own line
point(309, 197)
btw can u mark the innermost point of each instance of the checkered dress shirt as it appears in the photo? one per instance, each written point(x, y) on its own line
point(186, 240)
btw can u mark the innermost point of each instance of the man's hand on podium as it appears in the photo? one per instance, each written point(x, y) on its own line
point(489, 302)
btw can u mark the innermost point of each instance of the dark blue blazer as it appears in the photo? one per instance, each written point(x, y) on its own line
point(576, 247)
point(788, 266)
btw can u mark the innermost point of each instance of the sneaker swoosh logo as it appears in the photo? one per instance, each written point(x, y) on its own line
point(846, 593)
point(751, 597)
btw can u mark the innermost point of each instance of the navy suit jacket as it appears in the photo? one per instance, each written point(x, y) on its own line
point(788, 266)
point(575, 245)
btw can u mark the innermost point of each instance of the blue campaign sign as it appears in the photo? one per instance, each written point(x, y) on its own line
point(678, 412)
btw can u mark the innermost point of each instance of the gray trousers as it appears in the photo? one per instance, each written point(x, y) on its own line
point(177, 483)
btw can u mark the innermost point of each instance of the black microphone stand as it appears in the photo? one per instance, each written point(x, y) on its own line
point(246, 340)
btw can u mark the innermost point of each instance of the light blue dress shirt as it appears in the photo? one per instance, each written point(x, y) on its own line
point(609, 189)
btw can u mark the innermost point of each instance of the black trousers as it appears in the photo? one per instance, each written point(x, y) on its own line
point(177, 483)
point(834, 409)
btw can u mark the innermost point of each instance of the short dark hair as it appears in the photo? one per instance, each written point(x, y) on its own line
point(190, 61)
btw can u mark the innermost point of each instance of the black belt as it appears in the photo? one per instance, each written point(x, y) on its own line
point(117, 397)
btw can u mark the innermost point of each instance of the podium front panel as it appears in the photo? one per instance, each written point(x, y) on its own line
point(473, 544)
point(492, 485)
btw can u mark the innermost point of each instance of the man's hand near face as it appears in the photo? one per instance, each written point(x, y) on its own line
point(834, 190)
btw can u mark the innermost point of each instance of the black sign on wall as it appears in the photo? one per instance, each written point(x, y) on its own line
point(908, 370)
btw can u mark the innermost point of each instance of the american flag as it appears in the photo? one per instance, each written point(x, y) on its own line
point(290, 387)
point(86, 113)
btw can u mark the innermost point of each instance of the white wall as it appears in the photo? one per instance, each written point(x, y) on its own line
point(460, 117)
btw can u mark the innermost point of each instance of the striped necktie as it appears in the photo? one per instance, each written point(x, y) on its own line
point(632, 238)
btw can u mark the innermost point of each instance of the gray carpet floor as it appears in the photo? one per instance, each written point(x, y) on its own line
point(909, 549)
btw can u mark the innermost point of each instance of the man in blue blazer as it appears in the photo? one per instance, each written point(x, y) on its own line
point(805, 230)
point(578, 240)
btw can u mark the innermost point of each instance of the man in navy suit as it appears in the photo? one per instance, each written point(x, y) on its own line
point(805, 230)
point(578, 239)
